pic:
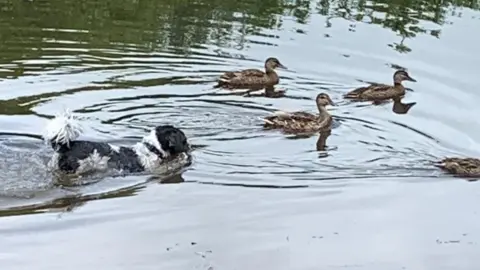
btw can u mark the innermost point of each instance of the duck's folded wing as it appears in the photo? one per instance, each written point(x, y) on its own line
point(379, 87)
point(356, 92)
point(376, 87)
point(296, 116)
point(463, 162)
point(247, 76)
point(251, 73)
point(304, 116)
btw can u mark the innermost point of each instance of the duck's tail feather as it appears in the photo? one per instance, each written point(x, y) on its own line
point(221, 83)
point(265, 121)
point(62, 130)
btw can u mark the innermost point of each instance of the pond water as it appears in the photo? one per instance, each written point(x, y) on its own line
point(252, 199)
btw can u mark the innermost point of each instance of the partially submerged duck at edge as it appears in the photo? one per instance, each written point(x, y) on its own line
point(301, 121)
point(464, 167)
point(252, 78)
point(381, 92)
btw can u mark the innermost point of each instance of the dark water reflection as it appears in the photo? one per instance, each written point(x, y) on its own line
point(364, 196)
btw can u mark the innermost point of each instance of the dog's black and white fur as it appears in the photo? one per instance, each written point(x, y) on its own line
point(78, 157)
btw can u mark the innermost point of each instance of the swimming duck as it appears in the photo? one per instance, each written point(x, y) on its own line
point(303, 122)
point(376, 92)
point(466, 167)
point(251, 78)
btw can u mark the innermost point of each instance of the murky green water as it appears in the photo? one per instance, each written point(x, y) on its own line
point(252, 199)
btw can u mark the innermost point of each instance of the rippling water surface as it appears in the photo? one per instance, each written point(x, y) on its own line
point(253, 199)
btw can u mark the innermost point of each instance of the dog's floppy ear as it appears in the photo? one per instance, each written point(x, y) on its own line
point(172, 139)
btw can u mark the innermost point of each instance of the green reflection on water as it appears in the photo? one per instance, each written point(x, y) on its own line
point(30, 29)
point(101, 34)
point(401, 16)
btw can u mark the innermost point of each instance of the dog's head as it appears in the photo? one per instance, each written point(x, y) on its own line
point(167, 141)
point(172, 139)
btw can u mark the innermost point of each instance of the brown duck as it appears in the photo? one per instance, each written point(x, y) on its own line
point(251, 78)
point(303, 122)
point(379, 92)
point(465, 167)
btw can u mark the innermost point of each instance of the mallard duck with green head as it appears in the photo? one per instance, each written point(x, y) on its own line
point(464, 167)
point(251, 78)
point(379, 92)
point(301, 121)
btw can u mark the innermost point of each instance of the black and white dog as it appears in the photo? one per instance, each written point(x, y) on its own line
point(79, 157)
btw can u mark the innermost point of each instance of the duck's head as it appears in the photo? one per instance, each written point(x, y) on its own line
point(324, 100)
point(401, 75)
point(273, 63)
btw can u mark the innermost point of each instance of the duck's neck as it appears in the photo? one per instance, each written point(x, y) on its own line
point(322, 111)
point(271, 74)
point(270, 70)
point(397, 83)
point(399, 87)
